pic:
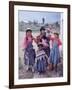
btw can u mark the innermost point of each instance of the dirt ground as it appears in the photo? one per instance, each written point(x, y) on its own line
point(24, 74)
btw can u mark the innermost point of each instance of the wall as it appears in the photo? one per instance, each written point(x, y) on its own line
point(4, 44)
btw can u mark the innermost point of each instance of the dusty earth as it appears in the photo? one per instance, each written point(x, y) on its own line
point(24, 74)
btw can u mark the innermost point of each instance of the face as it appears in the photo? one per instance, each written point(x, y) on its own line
point(29, 33)
point(43, 32)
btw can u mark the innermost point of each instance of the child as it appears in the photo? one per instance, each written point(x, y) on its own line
point(41, 60)
point(55, 54)
point(29, 54)
point(45, 40)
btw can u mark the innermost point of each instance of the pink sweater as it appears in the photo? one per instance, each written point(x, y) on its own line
point(26, 41)
point(57, 39)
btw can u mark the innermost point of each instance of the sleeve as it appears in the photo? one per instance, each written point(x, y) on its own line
point(59, 42)
point(24, 43)
point(51, 38)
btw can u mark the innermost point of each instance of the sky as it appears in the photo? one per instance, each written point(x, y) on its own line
point(50, 17)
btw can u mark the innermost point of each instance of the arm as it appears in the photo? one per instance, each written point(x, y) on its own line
point(24, 44)
point(35, 40)
point(59, 42)
point(51, 38)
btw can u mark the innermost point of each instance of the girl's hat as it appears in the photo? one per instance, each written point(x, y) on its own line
point(28, 29)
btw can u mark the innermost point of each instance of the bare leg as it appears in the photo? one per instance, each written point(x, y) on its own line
point(55, 67)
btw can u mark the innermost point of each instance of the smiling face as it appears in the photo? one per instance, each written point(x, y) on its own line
point(28, 33)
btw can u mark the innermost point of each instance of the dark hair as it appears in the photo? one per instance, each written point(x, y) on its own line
point(40, 45)
point(56, 34)
point(28, 30)
point(44, 37)
point(42, 28)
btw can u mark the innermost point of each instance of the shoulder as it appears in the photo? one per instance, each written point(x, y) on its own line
point(25, 38)
point(59, 41)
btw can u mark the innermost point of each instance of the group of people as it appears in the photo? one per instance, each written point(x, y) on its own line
point(45, 57)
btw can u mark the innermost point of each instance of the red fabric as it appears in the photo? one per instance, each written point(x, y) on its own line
point(26, 41)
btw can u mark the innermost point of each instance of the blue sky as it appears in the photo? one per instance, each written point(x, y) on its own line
point(50, 17)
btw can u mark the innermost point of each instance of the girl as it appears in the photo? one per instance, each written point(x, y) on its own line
point(55, 54)
point(29, 54)
point(41, 60)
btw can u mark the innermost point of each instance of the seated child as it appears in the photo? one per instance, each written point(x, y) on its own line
point(41, 61)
